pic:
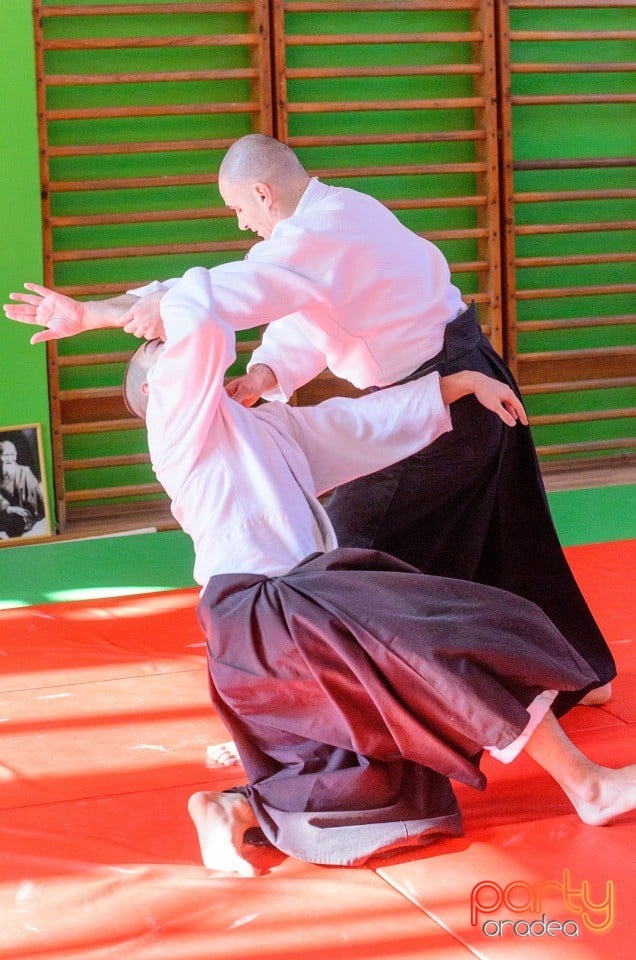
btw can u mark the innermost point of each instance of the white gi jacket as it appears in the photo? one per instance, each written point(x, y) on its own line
point(350, 287)
point(244, 482)
point(390, 293)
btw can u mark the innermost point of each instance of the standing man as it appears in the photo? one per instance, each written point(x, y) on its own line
point(344, 285)
point(471, 505)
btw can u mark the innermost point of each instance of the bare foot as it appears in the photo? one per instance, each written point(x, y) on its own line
point(606, 795)
point(597, 697)
point(222, 755)
point(221, 820)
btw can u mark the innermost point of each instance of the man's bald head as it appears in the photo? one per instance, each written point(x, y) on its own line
point(136, 376)
point(262, 180)
point(258, 157)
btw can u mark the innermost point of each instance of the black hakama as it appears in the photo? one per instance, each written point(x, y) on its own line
point(355, 687)
point(472, 505)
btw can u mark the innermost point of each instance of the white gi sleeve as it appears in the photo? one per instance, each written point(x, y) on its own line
point(344, 438)
point(292, 357)
point(187, 381)
point(248, 294)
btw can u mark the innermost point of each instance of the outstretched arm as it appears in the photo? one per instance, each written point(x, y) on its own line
point(61, 316)
point(380, 428)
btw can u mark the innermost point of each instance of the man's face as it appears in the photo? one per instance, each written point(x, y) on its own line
point(252, 205)
point(8, 457)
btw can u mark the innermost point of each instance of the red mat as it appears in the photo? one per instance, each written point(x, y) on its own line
point(104, 724)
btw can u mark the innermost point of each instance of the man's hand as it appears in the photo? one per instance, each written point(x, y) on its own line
point(59, 315)
point(144, 318)
point(491, 393)
point(249, 388)
point(62, 316)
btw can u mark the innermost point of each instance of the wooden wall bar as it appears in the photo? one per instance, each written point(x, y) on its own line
point(421, 130)
point(499, 130)
point(568, 194)
point(137, 104)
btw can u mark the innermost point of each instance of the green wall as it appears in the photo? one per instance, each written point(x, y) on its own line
point(148, 562)
point(23, 380)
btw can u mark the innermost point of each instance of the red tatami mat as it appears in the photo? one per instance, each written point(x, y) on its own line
point(104, 724)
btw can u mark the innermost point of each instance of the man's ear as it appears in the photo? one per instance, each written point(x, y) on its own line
point(264, 193)
point(144, 388)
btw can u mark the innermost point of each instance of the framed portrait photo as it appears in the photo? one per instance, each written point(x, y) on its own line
point(24, 509)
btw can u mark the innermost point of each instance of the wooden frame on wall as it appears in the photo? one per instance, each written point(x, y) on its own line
point(24, 506)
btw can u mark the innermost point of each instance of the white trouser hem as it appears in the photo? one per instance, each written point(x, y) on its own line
point(537, 710)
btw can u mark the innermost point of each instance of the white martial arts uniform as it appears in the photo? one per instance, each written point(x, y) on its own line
point(351, 288)
point(243, 483)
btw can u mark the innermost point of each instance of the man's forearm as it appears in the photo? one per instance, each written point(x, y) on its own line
point(108, 313)
point(457, 385)
point(491, 393)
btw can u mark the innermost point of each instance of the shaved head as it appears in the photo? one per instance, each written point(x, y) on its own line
point(136, 376)
point(258, 157)
point(262, 181)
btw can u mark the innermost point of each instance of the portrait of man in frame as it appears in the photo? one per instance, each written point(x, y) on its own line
point(24, 510)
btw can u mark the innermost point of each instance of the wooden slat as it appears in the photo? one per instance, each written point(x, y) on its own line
point(149, 250)
point(580, 259)
point(108, 493)
point(560, 36)
point(569, 386)
point(89, 359)
point(595, 290)
point(381, 6)
point(587, 446)
point(567, 4)
point(561, 99)
point(579, 163)
point(127, 147)
point(358, 139)
point(357, 106)
point(399, 70)
point(571, 67)
point(101, 426)
point(588, 416)
point(559, 196)
point(94, 463)
point(130, 9)
point(156, 110)
point(139, 216)
point(432, 203)
point(146, 43)
point(166, 76)
point(334, 39)
point(575, 323)
point(591, 227)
